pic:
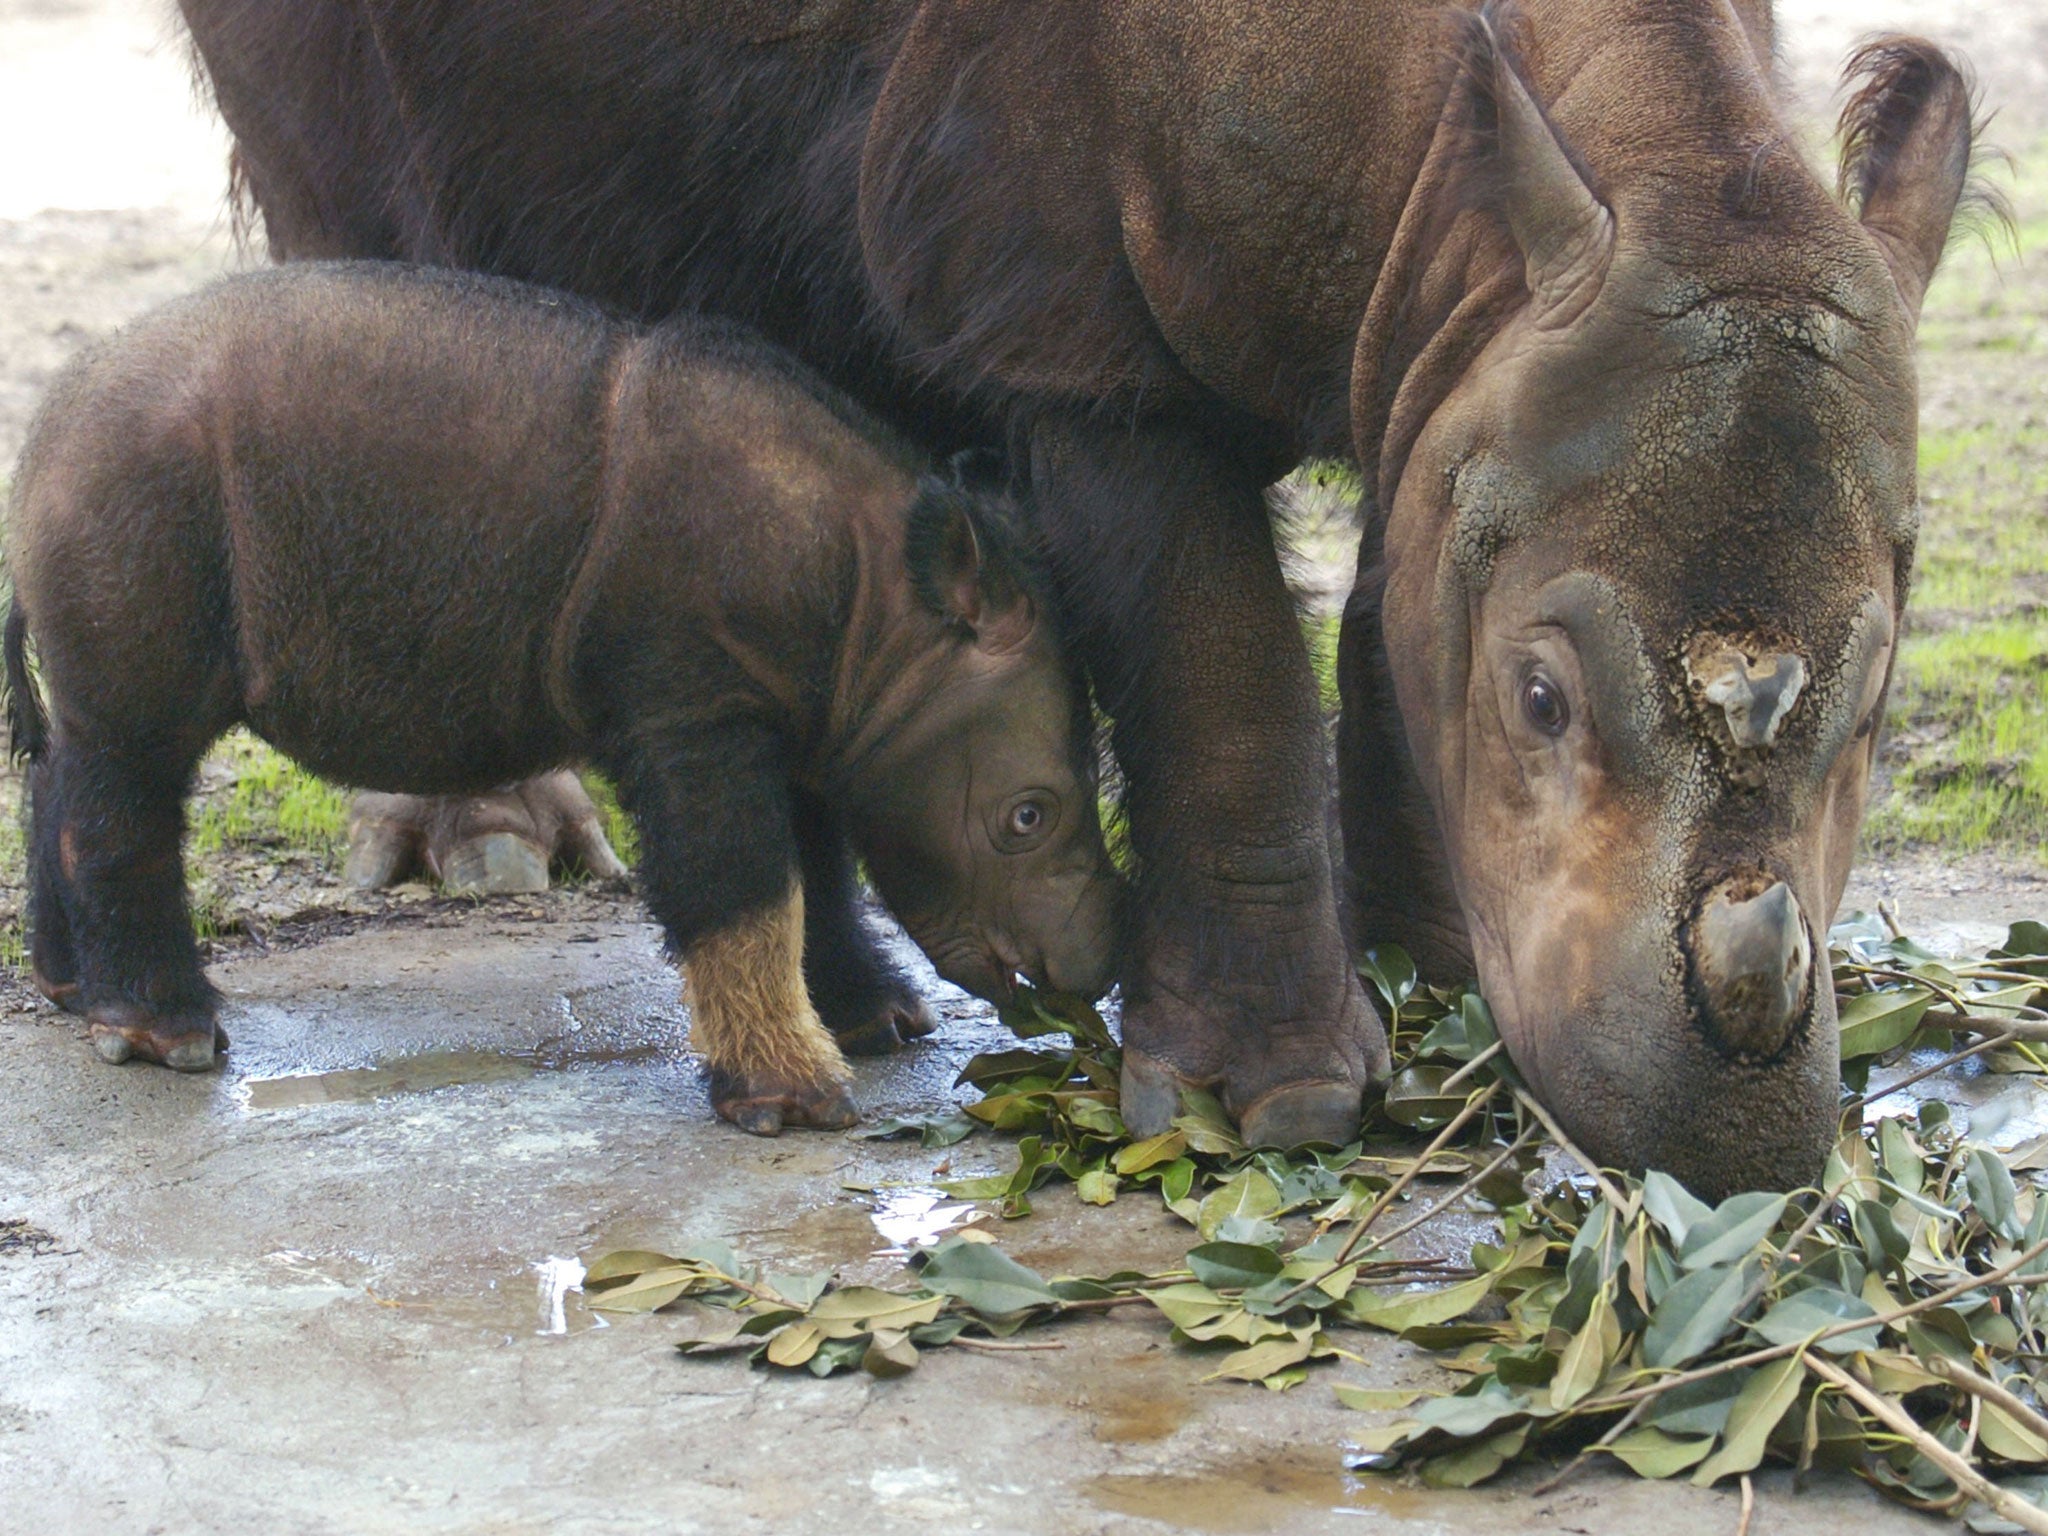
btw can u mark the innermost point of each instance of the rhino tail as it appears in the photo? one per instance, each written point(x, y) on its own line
point(28, 728)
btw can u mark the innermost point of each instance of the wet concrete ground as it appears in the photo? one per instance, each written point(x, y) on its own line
point(303, 1295)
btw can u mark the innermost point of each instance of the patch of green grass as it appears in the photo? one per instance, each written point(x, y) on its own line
point(1969, 722)
point(618, 826)
point(1967, 741)
point(268, 804)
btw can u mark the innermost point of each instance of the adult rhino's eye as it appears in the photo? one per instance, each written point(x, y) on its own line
point(1543, 702)
point(1026, 819)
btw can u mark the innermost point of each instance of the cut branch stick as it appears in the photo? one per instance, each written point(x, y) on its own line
point(1960, 1375)
point(1984, 1024)
point(1472, 1066)
point(2009, 1506)
point(1748, 1506)
point(1613, 1195)
point(1991, 1044)
point(1379, 1207)
point(2005, 1274)
point(1005, 1346)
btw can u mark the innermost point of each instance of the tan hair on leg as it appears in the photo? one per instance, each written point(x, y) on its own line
point(772, 1060)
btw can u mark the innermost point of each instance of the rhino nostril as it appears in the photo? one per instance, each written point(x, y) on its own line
point(1753, 959)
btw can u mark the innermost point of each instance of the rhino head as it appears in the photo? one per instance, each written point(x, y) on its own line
point(1643, 567)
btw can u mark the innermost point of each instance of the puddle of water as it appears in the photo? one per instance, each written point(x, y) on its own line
point(429, 1070)
point(1258, 1493)
point(916, 1218)
point(409, 1074)
point(1141, 1403)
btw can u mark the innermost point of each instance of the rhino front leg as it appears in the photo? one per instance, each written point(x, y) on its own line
point(499, 844)
point(721, 871)
point(1237, 977)
point(870, 1006)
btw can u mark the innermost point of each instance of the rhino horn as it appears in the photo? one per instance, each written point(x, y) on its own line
point(1755, 696)
point(1565, 233)
point(1753, 960)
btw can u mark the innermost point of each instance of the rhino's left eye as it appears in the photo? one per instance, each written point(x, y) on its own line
point(1543, 702)
point(1024, 820)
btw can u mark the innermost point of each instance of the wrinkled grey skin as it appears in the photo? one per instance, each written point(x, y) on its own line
point(1003, 875)
point(1649, 839)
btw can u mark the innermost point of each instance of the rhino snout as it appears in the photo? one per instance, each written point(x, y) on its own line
point(1753, 961)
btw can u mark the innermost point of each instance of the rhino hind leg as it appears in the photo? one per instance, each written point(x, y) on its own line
point(53, 956)
point(503, 843)
point(864, 998)
point(110, 890)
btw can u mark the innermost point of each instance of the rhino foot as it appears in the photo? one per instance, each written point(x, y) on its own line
point(762, 1105)
point(498, 844)
point(1289, 1084)
point(878, 1022)
point(184, 1042)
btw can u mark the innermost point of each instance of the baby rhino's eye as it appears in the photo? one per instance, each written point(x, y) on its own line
point(1024, 822)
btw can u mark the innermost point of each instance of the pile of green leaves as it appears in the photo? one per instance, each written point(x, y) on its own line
point(1881, 1323)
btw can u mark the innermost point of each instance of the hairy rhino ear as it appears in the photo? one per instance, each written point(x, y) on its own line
point(1906, 139)
point(962, 570)
point(1564, 231)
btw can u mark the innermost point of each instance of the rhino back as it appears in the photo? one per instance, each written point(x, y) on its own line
point(408, 465)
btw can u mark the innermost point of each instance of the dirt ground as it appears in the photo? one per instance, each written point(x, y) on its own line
point(302, 1294)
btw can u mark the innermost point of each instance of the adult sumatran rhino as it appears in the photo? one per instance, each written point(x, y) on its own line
point(1632, 392)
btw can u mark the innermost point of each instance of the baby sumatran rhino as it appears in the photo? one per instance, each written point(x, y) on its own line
point(427, 533)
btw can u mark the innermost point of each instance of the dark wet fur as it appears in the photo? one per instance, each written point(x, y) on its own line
point(346, 590)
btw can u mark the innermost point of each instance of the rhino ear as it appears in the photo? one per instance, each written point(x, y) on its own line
point(1565, 233)
point(962, 569)
point(1906, 138)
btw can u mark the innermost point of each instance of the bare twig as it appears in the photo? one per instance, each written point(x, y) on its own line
point(1378, 1206)
point(2010, 1506)
point(1748, 1506)
point(1960, 1375)
point(1942, 1065)
point(1613, 1195)
point(1004, 1346)
point(1621, 1427)
point(1472, 1066)
point(2005, 1274)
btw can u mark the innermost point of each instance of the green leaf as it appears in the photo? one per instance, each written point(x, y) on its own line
point(861, 1309)
point(1474, 1464)
point(1140, 1155)
point(1226, 1266)
point(1764, 1400)
point(1671, 1205)
point(800, 1291)
point(1652, 1453)
point(1586, 1357)
point(985, 1279)
point(1804, 1313)
point(1264, 1359)
point(1377, 1399)
point(889, 1353)
point(1696, 1314)
point(795, 1345)
point(1991, 1191)
point(1876, 1022)
point(1397, 1311)
point(1736, 1226)
point(2005, 1436)
point(1206, 1126)
point(1699, 1407)
point(1388, 967)
point(1251, 1194)
point(614, 1268)
point(1096, 1187)
point(931, 1130)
